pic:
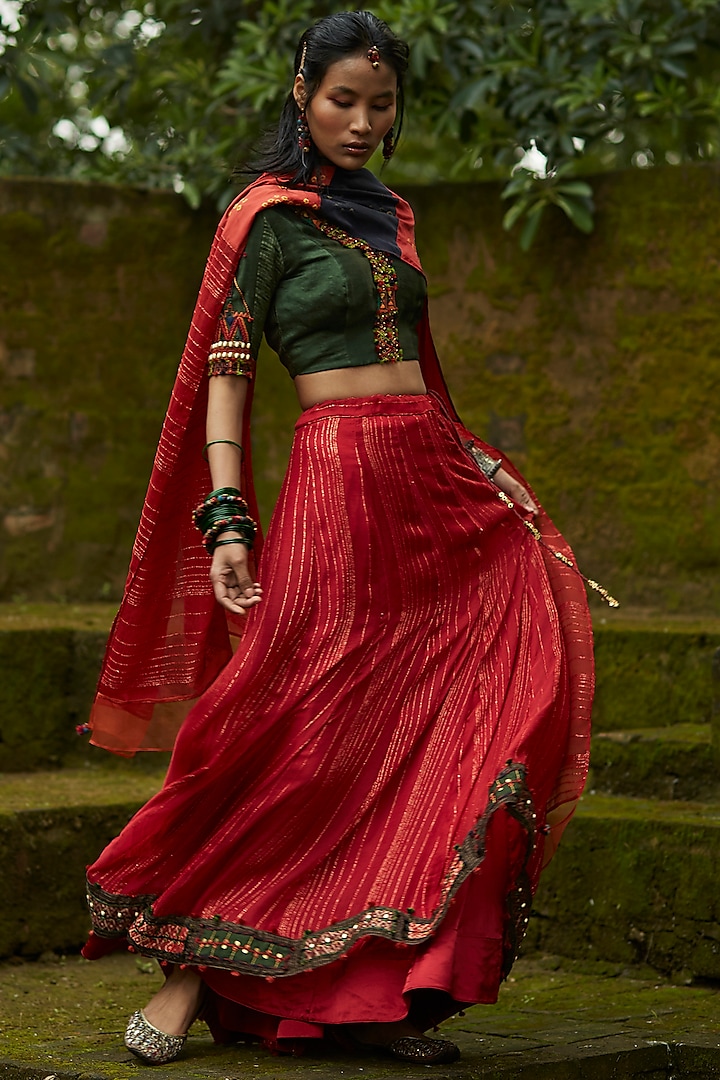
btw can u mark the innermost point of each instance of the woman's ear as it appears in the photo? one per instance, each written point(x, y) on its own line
point(299, 92)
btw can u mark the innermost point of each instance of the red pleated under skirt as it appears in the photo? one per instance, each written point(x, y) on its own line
point(357, 809)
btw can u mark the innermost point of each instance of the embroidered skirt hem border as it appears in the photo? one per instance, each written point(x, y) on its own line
point(224, 945)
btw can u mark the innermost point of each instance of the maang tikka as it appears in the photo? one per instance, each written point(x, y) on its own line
point(373, 55)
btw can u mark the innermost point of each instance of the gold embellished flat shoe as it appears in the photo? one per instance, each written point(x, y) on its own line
point(423, 1051)
point(416, 1048)
point(152, 1046)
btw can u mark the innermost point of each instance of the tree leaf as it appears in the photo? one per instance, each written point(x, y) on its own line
point(578, 214)
point(530, 229)
point(191, 193)
point(575, 187)
point(27, 93)
point(514, 214)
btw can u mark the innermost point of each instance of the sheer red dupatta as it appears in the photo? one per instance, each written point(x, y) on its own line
point(170, 639)
point(568, 591)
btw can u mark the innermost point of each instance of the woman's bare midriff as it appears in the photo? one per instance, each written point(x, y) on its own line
point(401, 378)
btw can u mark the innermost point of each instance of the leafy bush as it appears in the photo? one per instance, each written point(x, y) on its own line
point(170, 94)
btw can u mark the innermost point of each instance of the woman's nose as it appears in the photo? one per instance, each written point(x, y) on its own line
point(360, 122)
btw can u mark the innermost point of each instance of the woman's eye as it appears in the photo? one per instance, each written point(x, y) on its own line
point(382, 108)
point(342, 104)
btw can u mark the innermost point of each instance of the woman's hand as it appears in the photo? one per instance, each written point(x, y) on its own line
point(515, 491)
point(230, 576)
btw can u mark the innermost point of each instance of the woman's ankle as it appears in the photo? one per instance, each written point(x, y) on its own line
point(176, 1004)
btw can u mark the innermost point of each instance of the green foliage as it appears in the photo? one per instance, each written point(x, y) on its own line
point(172, 94)
point(532, 193)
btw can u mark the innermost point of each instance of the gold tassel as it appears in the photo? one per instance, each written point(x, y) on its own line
point(533, 529)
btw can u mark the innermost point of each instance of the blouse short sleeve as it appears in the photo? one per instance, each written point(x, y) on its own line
point(239, 329)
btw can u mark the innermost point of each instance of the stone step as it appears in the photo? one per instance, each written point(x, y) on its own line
point(651, 672)
point(52, 825)
point(50, 656)
point(555, 1020)
point(634, 880)
point(677, 762)
point(655, 672)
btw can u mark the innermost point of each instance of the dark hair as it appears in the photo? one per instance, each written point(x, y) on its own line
point(330, 39)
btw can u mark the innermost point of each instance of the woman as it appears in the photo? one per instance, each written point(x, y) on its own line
point(359, 803)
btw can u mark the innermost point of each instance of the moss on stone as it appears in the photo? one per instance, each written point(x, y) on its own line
point(86, 786)
point(40, 616)
point(45, 853)
point(664, 763)
point(648, 678)
point(634, 881)
point(617, 337)
point(650, 673)
point(99, 286)
point(48, 684)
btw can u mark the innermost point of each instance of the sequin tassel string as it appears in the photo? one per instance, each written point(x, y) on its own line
point(532, 528)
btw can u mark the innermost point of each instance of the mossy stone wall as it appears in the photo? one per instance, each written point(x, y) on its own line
point(645, 679)
point(594, 361)
point(97, 288)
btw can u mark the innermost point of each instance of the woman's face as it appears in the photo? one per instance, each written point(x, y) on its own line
point(352, 111)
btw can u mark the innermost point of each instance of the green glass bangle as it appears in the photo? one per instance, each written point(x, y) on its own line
point(232, 540)
point(223, 491)
point(215, 516)
point(228, 442)
point(221, 502)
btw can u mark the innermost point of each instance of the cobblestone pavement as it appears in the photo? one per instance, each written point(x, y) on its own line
point(63, 1018)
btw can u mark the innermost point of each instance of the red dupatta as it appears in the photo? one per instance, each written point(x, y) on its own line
point(170, 638)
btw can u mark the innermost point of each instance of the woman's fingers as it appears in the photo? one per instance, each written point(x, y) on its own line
point(235, 598)
point(231, 581)
point(524, 499)
point(239, 604)
point(515, 490)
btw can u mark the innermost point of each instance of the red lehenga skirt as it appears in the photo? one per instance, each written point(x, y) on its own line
point(360, 806)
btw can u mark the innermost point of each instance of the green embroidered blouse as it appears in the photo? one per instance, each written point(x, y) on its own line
point(321, 303)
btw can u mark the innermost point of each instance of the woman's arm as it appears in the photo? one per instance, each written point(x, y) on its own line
point(229, 572)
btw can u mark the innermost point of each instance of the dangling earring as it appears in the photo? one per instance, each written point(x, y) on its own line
point(303, 132)
point(389, 144)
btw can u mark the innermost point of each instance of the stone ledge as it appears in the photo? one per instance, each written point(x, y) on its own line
point(49, 679)
point(653, 677)
point(44, 851)
point(665, 763)
point(89, 786)
point(634, 881)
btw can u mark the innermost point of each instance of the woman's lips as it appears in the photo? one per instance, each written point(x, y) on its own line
point(356, 148)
